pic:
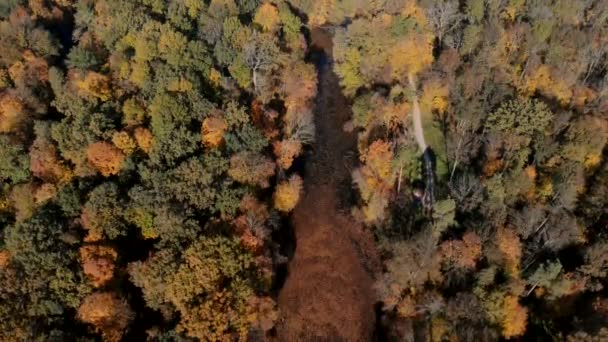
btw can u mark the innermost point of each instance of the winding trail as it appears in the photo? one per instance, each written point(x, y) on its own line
point(328, 294)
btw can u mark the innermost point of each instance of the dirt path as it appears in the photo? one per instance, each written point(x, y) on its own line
point(328, 293)
point(418, 130)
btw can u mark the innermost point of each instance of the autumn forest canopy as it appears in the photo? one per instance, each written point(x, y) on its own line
point(152, 153)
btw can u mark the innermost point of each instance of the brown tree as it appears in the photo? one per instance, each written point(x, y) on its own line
point(251, 168)
point(98, 263)
point(286, 151)
point(22, 200)
point(46, 164)
point(509, 244)
point(12, 113)
point(108, 313)
point(463, 253)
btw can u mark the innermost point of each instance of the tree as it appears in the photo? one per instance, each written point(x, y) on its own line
point(94, 85)
point(375, 180)
point(133, 112)
point(522, 116)
point(23, 201)
point(80, 57)
point(45, 162)
point(124, 142)
point(14, 164)
point(102, 215)
point(515, 317)
point(12, 113)
point(415, 262)
point(544, 80)
point(410, 56)
point(299, 83)
point(108, 313)
point(144, 138)
point(587, 137)
point(288, 193)
point(105, 157)
point(267, 16)
point(170, 116)
point(516, 123)
point(172, 45)
point(46, 274)
point(463, 253)
point(509, 244)
point(260, 55)
point(252, 225)
point(286, 151)
point(251, 168)
point(98, 263)
point(444, 216)
point(213, 131)
point(443, 17)
point(596, 260)
point(210, 286)
point(549, 280)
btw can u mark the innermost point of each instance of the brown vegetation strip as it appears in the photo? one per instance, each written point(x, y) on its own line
point(328, 294)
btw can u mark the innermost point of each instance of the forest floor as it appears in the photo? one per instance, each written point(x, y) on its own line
point(328, 294)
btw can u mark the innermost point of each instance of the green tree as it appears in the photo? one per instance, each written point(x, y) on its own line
point(103, 213)
point(14, 161)
point(43, 280)
point(444, 213)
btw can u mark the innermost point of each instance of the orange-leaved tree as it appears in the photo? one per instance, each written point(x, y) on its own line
point(213, 131)
point(98, 263)
point(105, 158)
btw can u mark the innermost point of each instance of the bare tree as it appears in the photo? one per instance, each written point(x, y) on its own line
point(261, 56)
point(443, 17)
point(593, 56)
point(466, 143)
point(467, 191)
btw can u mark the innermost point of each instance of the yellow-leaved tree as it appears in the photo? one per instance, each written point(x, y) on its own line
point(93, 85)
point(544, 81)
point(144, 138)
point(288, 193)
point(267, 16)
point(12, 113)
point(375, 180)
point(411, 55)
point(515, 317)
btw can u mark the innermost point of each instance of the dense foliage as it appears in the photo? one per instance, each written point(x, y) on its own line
point(147, 153)
point(140, 145)
point(513, 99)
